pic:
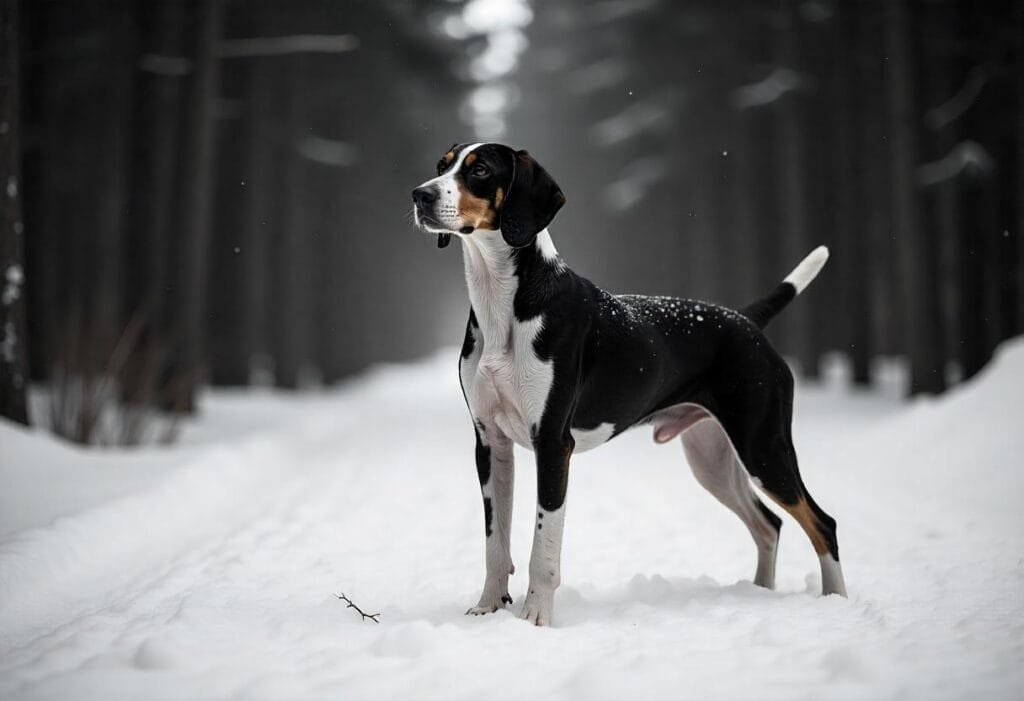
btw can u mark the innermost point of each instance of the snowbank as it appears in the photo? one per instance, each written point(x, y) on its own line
point(209, 570)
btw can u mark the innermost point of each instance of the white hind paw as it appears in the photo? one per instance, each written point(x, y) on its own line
point(538, 607)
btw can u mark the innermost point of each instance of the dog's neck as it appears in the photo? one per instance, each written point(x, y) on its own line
point(494, 273)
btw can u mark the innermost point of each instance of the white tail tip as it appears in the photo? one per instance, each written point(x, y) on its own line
point(808, 269)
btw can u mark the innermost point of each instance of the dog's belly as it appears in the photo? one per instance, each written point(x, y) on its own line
point(591, 438)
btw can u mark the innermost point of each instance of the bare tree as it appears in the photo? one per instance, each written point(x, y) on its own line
point(921, 324)
point(155, 224)
point(1018, 23)
point(793, 232)
point(198, 211)
point(13, 340)
point(850, 254)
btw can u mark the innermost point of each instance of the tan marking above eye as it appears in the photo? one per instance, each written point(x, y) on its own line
point(470, 159)
point(448, 157)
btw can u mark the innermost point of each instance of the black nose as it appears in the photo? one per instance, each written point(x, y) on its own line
point(424, 196)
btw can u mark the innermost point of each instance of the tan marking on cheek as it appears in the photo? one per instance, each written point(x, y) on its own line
point(470, 159)
point(474, 211)
point(499, 197)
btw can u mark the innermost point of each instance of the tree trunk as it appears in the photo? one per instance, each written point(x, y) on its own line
point(106, 277)
point(1018, 235)
point(198, 212)
point(851, 258)
point(922, 330)
point(941, 82)
point(229, 355)
point(793, 235)
point(156, 221)
point(295, 262)
point(819, 60)
point(13, 338)
point(262, 208)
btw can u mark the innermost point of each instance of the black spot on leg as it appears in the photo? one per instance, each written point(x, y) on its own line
point(483, 462)
point(770, 515)
point(539, 526)
point(469, 343)
point(487, 516)
point(540, 514)
point(506, 599)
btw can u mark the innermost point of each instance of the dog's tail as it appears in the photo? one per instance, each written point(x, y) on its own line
point(764, 310)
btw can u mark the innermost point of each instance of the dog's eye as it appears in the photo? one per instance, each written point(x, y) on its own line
point(480, 171)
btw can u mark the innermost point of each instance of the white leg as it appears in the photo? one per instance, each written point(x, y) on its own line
point(497, 496)
point(545, 566)
point(832, 581)
point(718, 469)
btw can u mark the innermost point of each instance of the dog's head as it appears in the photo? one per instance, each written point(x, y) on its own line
point(489, 187)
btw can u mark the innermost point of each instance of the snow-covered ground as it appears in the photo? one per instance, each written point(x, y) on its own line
point(209, 570)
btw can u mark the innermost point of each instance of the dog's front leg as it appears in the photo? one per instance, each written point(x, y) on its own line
point(496, 470)
point(553, 454)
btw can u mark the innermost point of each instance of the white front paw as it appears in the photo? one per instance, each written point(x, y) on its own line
point(488, 605)
point(491, 600)
point(538, 607)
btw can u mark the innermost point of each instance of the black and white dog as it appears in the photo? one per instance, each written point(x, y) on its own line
point(559, 366)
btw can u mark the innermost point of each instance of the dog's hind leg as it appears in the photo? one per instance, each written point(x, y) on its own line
point(717, 467)
point(767, 452)
point(789, 492)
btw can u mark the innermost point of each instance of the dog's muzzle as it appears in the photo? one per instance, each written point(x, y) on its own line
point(423, 199)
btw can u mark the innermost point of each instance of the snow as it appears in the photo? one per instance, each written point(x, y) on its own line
point(210, 569)
point(166, 65)
point(283, 45)
point(967, 157)
point(938, 117)
point(9, 342)
point(764, 92)
point(634, 182)
point(501, 24)
point(330, 152)
point(601, 75)
point(638, 118)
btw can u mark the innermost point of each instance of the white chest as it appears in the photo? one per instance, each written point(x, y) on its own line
point(506, 383)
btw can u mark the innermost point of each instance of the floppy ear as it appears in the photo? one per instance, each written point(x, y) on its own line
point(533, 200)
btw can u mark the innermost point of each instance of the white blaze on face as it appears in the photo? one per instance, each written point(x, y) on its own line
point(446, 209)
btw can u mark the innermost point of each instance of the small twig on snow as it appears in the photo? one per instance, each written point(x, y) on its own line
point(351, 605)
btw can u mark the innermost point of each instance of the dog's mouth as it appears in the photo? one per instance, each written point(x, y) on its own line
point(430, 225)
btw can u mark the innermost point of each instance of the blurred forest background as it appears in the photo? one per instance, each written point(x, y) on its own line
point(218, 192)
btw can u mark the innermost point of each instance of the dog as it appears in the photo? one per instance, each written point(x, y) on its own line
point(559, 366)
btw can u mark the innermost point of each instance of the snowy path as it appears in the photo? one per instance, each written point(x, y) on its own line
point(209, 571)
